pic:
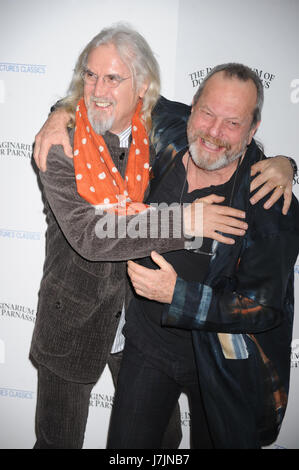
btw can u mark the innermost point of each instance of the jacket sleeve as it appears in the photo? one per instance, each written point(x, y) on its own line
point(254, 300)
point(84, 228)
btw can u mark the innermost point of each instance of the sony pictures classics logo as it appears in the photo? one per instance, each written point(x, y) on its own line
point(22, 68)
point(16, 393)
point(16, 68)
point(19, 234)
point(198, 76)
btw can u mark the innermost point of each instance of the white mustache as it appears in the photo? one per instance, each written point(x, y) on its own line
point(102, 100)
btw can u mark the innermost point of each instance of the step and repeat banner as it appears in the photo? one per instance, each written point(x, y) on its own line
point(40, 43)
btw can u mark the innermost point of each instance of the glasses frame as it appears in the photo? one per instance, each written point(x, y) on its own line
point(92, 80)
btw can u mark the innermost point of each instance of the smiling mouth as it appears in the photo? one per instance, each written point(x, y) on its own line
point(210, 145)
point(102, 105)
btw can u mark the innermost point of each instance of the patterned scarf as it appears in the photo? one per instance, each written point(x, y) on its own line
point(98, 180)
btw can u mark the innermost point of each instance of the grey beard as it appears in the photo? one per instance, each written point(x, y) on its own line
point(100, 126)
point(217, 165)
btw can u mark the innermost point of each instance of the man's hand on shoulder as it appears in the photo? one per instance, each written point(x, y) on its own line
point(205, 217)
point(275, 176)
point(53, 132)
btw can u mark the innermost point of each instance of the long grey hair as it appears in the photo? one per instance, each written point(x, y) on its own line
point(137, 55)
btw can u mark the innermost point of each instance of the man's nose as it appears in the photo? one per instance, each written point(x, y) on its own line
point(215, 128)
point(100, 87)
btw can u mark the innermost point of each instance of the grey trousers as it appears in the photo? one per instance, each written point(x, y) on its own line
point(62, 411)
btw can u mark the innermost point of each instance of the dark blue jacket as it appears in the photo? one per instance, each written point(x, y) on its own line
point(242, 316)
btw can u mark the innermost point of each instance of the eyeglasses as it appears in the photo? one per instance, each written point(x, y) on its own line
point(111, 80)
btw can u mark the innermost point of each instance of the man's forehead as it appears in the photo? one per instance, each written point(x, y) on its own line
point(105, 55)
point(221, 90)
point(230, 85)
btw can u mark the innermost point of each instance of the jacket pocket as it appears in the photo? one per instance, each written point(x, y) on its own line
point(60, 315)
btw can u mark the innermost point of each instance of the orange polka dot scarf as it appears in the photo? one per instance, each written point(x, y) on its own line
point(98, 180)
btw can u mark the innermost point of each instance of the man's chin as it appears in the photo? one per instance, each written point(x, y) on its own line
point(205, 163)
point(100, 124)
point(101, 127)
point(211, 166)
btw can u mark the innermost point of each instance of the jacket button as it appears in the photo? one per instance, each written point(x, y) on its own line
point(58, 305)
point(118, 314)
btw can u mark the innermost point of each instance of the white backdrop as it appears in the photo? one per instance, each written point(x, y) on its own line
point(40, 42)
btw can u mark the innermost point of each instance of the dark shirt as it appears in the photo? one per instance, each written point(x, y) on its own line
point(143, 318)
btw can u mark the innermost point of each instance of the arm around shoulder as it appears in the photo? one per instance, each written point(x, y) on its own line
point(254, 301)
point(88, 231)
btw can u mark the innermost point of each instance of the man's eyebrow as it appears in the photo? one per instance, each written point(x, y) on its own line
point(205, 106)
point(87, 69)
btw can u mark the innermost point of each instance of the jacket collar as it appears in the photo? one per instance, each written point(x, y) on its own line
point(225, 257)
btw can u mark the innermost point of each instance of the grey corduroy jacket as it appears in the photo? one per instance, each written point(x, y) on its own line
point(84, 282)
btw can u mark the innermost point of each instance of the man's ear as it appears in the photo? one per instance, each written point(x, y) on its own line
point(252, 132)
point(192, 106)
point(143, 89)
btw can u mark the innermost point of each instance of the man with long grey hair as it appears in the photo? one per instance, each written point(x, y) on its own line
point(138, 57)
point(83, 289)
point(117, 124)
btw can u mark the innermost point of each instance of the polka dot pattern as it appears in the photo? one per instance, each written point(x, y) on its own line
point(97, 177)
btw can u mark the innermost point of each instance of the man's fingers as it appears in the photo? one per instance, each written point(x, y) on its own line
point(134, 267)
point(229, 211)
point(276, 175)
point(287, 198)
point(53, 132)
point(42, 147)
point(36, 153)
point(160, 261)
point(231, 230)
point(42, 156)
point(258, 181)
point(68, 148)
point(233, 222)
point(222, 239)
point(36, 148)
point(140, 283)
point(136, 284)
point(277, 193)
point(211, 199)
point(275, 196)
point(229, 222)
point(263, 191)
point(258, 167)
